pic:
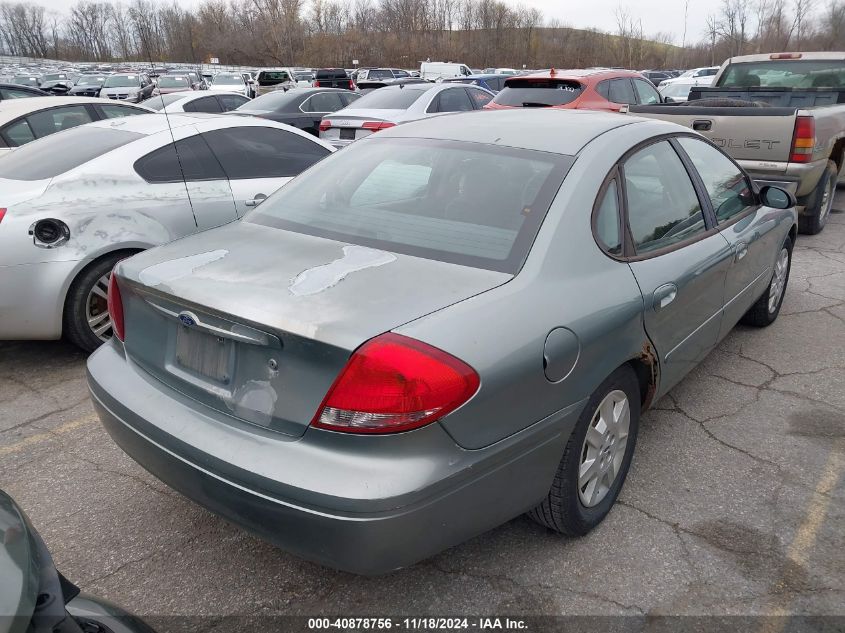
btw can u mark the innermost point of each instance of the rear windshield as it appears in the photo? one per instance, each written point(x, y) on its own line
point(331, 73)
point(464, 203)
point(228, 80)
point(790, 73)
point(271, 101)
point(55, 154)
point(272, 78)
point(526, 93)
point(90, 81)
point(161, 101)
point(391, 98)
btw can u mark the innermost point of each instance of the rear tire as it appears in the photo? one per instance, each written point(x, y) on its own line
point(819, 203)
point(766, 309)
point(86, 323)
point(575, 505)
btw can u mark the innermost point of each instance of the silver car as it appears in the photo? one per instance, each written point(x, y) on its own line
point(385, 107)
point(443, 326)
point(76, 202)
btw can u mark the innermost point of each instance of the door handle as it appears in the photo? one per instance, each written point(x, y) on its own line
point(664, 295)
point(741, 250)
point(702, 125)
point(258, 199)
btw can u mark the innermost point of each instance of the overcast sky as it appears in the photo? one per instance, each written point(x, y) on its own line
point(656, 15)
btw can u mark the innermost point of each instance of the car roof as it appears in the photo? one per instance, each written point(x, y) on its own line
point(577, 73)
point(12, 108)
point(546, 129)
point(153, 123)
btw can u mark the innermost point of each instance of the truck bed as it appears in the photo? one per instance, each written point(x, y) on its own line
point(777, 97)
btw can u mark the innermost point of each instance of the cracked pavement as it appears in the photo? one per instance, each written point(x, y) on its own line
point(734, 505)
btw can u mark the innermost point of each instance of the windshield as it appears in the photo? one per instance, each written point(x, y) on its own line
point(122, 81)
point(54, 77)
point(228, 80)
point(445, 200)
point(90, 81)
point(55, 154)
point(538, 92)
point(25, 81)
point(391, 98)
point(790, 73)
point(676, 90)
point(174, 82)
point(271, 101)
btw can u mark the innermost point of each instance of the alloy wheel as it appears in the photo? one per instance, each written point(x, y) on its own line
point(604, 448)
point(778, 285)
point(97, 308)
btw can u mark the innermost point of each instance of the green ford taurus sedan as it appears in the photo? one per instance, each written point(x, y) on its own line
point(443, 326)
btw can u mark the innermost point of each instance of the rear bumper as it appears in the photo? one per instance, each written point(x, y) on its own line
point(32, 299)
point(799, 178)
point(362, 504)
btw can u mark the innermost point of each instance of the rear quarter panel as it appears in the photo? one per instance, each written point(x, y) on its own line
point(567, 281)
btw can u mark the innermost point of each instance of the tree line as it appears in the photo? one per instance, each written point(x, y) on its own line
point(403, 32)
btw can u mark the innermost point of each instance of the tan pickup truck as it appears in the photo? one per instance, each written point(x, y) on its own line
point(781, 116)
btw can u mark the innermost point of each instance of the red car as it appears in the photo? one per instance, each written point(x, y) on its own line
point(598, 89)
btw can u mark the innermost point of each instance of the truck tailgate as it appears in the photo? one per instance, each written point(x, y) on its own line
point(746, 133)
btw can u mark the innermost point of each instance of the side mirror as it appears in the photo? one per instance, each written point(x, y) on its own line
point(777, 198)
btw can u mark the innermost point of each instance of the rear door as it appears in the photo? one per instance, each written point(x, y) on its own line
point(188, 166)
point(258, 160)
point(741, 220)
point(677, 256)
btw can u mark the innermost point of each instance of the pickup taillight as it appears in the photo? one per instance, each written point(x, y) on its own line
point(2, 213)
point(803, 140)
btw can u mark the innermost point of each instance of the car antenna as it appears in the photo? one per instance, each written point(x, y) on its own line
point(175, 149)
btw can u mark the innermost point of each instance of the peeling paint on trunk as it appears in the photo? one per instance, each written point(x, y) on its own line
point(320, 278)
point(178, 268)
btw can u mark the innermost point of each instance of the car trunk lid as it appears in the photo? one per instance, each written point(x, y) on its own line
point(257, 323)
point(349, 126)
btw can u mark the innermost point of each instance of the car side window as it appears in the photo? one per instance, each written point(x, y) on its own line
point(607, 220)
point(663, 208)
point(231, 102)
point(262, 152)
point(205, 104)
point(194, 159)
point(646, 92)
point(621, 91)
point(728, 188)
point(57, 119)
point(452, 100)
point(323, 102)
point(480, 98)
point(14, 93)
point(111, 111)
point(348, 98)
point(18, 133)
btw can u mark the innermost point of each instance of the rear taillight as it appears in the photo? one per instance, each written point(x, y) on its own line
point(116, 307)
point(351, 85)
point(325, 125)
point(394, 383)
point(375, 126)
point(2, 213)
point(803, 140)
point(315, 84)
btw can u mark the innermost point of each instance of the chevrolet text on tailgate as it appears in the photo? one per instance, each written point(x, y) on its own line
point(781, 116)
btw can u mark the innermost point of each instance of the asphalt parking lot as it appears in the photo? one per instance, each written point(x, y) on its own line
point(735, 503)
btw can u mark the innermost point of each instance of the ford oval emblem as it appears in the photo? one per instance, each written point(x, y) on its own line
point(187, 319)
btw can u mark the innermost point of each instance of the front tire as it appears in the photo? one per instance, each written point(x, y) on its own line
point(820, 202)
point(86, 319)
point(596, 458)
point(766, 309)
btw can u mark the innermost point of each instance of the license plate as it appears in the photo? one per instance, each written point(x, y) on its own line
point(347, 134)
point(203, 354)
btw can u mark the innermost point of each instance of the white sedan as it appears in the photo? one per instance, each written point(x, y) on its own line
point(229, 82)
point(78, 201)
point(24, 120)
point(212, 102)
